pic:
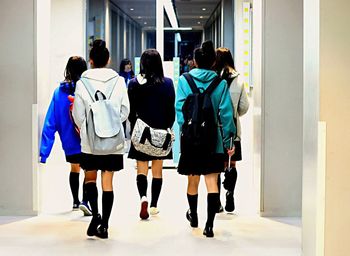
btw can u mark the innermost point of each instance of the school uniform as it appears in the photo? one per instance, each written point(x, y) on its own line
point(198, 164)
point(153, 104)
point(99, 77)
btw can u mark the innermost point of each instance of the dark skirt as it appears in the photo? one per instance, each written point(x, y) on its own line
point(102, 162)
point(139, 156)
point(201, 165)
point(74, 159)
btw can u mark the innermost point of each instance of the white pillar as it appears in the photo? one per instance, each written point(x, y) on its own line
point(108, 27)
point(160, 27)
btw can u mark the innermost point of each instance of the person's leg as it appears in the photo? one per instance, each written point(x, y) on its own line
point(157, 181)
point(192, 197)
point(213, 202)
point(74, 184)
point(107, 203)
point(141, 180)
point(92, 195)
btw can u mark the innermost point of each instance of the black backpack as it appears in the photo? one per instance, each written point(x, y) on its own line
point(199, 131)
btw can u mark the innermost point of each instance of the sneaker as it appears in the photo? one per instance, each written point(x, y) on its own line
point(84, 207)
point(192, 218)
point(76, 206)
point(230, 202)
point(208, 231)
point(102, 232)
point(153, 210)
point(144, 208)
point(92, 229)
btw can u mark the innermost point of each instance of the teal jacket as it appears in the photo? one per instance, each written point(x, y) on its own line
point(221, 103)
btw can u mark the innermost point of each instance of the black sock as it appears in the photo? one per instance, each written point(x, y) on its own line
point(219, 183)
point(141, 181)
point(74, 186)
point(85, 199)
point(213, 206)
point(107, 203)
point(156, 188)
point(92, 194)
point(234, 170)
point(193, 202)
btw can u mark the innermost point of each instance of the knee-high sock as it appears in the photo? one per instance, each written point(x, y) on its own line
point(74, 186)
point(219, 182)
point(92, 194)
point(213, 205)
point(156, 188)
point(85, 199)
point(193, 202)
point(234, 170)
point(141, 181)
point(107, 203)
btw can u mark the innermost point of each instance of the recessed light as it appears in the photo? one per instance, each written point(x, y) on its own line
point(201, 17)
point(198, 22)
point(145, 23)
point(139, 17)
point(131, 9)
point(204, 9)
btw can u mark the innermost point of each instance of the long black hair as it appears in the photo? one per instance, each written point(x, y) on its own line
point(151, 66)
point(123, 63)
point(205, 55)
point(75, 67)
point(99, 54)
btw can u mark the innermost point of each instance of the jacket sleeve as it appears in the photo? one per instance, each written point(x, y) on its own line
point(171, 106)
point(133, 104)
point(226, 117)
point(243, 103)
point(125, 104)
point(180, 100)
point(48, 133)
point(79, 113)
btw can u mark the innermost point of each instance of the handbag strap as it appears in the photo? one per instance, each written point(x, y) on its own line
point(146, 134)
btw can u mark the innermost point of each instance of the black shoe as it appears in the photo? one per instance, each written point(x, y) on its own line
point(230, 202)
point(102, 232)
point(208, 231)
point(76, 206)
point(92, 229)
point(193, 219)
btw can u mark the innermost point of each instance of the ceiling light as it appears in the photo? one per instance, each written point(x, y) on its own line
point(139, 17)
point(201, 17)
point(204, 9)
point(131, 9)
point(145, 23)
point(198, 22)
point(169, 9)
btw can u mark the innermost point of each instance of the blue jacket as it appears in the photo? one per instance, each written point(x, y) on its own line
point(220, 98)
point(59, 120)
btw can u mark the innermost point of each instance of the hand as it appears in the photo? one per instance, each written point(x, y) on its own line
point(71, 99)
point(231, 152)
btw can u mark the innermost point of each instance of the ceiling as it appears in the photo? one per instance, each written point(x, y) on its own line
point(191, 13)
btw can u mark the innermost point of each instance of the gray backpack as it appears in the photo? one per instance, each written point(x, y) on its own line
point(103, 125)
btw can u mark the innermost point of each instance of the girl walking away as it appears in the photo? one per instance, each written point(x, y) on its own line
point(152, 99)
point(58, 119)
point(105, 86)
point(204, 113)
point(225, 68)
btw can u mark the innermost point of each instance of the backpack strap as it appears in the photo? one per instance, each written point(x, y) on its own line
point(90, 89)
point(191, 83)
point(110, 89)
point(213, 85)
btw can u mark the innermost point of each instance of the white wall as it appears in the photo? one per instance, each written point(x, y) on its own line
point(18, 89)
point(65, 37)
point(281, 88)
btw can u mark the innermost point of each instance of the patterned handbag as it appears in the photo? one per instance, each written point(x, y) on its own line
point(153, 142)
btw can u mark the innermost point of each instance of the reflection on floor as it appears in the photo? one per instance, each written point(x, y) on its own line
point(63, 233)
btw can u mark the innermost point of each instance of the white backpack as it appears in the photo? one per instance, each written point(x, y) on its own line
point(103, 125)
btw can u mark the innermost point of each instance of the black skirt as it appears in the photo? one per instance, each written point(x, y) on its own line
point(201, 165)
point(74, 159)
point(139, 156)
point(91, 162)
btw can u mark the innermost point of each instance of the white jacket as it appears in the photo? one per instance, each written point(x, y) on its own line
point(98, 78)
point(240, 102)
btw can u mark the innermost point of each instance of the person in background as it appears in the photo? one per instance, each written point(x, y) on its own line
point(194, 164)
point(108, 82)
point(225, 68)
point(125, 70)
point(58, 119)
point(152, 98)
